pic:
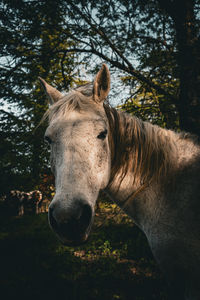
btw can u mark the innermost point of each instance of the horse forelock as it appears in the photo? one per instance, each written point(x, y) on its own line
point(79, 99)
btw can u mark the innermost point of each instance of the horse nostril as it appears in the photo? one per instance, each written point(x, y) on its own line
point(52, 220)
point(86, 215)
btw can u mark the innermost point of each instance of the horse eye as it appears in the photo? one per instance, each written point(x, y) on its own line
point(102, 135)
point(47, 139)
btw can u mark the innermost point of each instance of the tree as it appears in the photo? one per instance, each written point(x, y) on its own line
point(32, 35)
point(155, 43)
point(187, 32)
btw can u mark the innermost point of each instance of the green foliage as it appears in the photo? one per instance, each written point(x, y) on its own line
point(34, 39)
point(147, 105)
point(135, 37)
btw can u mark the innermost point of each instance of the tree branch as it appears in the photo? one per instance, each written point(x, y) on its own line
point(126, 65)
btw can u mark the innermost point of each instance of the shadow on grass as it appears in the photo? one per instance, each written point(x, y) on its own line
point(115, 264)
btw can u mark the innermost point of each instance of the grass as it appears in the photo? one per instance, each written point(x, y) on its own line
point(116, 263)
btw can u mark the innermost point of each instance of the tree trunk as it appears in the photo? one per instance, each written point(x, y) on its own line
point(189, 68)
point(188, 59)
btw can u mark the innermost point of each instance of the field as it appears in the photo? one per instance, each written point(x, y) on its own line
point(116, 263)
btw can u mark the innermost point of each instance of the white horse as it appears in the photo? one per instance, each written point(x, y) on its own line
point(151, 172)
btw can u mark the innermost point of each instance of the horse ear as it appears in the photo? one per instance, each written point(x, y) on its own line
point(52, 93)
point(101, 85)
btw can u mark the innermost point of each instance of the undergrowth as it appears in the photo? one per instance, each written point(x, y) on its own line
point(116, 263)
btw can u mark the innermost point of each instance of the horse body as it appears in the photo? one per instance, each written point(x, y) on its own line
point(14, 202)
point(20, 203)
point(167, 211)
point(152, 173)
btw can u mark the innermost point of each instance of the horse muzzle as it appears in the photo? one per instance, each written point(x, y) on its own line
point(72, 224)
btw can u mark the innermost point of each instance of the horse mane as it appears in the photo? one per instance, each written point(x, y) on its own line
point(145, 150)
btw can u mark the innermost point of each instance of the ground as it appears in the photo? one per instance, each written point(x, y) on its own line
point(116, 263)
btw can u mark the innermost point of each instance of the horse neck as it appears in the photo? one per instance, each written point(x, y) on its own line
point(142, 154)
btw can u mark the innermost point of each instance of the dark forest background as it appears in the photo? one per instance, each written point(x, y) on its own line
point(152, 48)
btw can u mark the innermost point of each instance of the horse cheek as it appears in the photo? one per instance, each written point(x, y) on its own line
point(103, 165)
